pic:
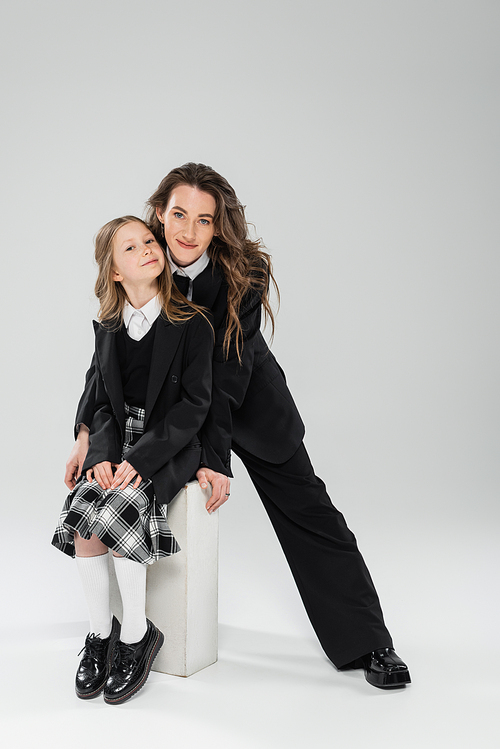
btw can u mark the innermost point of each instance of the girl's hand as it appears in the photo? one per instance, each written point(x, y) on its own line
point(103, 474)
point(77, 457)
point(124, 475)
point(221, 487)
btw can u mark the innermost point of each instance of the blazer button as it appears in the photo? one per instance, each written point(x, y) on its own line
point(174, 378)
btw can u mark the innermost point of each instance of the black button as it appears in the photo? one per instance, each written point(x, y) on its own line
point(174, 378)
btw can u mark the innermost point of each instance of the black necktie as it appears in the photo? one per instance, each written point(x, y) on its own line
point(182, 283)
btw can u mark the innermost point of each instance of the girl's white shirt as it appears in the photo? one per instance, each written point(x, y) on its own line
point(138, 322)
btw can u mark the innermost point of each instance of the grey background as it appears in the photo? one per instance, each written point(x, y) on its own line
point(363, 139)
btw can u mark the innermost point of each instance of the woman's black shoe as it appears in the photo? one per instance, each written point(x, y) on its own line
point(385, 669)
point(94, 667)
point(131, 665)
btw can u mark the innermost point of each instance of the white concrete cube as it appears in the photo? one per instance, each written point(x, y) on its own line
point(182, 590)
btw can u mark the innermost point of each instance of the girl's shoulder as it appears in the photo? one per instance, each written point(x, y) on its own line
point(202, 321)
point(107, 326)
point(200, 330)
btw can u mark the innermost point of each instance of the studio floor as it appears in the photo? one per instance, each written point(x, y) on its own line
point(267, 690)
point(272, 687)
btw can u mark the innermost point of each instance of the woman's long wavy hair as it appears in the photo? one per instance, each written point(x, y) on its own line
point(112, 295)
point(243, 261)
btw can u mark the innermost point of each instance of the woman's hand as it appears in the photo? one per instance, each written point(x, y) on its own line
point(124, 475)
point(77, 457)
point(103, 474)
point(221, 487)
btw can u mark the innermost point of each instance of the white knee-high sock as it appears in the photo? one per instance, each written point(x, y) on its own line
point(94, 574)
point(131, 577)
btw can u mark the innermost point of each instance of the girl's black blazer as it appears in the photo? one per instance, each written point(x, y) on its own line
point(177, 402)
point(251, 403)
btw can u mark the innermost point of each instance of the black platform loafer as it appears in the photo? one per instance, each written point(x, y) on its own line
point(131, 665)
point(385, 669)
point(95, 664)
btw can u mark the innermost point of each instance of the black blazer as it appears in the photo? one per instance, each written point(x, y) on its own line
point(177, 402)
point(251, 403)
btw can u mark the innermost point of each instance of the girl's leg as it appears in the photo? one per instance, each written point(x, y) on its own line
point(92, 563)
point(93, 670)
point(131, 577)
point(139, 640)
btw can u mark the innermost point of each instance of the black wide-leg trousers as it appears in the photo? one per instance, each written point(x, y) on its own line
point(330, 573)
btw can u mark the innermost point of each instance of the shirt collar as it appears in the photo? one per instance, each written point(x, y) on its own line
point(151, 311)
point(191, 271)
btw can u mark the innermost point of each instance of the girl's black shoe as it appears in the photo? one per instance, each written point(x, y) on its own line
point(131, 665)
point(95, 664)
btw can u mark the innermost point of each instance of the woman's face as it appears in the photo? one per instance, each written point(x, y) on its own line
point(188, 221)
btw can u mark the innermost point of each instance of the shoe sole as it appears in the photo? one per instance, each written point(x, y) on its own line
point(392, 681)
point(91, 695)
point(160, 639)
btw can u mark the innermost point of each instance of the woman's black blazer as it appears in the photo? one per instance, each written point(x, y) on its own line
point(177, 403)
point(251, 403)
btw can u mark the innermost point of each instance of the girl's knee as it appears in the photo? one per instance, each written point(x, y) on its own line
point(92, 547)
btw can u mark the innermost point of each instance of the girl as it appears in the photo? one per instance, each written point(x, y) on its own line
point(254, 414)
point(152, 391)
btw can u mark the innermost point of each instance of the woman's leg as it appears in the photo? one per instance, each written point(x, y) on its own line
point(330, 573)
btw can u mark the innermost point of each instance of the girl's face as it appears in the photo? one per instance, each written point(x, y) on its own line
point(188, 221)
point(138, 259)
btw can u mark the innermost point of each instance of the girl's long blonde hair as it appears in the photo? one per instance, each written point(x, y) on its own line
point(112, 295)
point(243, 261)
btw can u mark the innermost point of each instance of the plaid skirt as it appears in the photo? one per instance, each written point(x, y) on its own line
point(129, 521)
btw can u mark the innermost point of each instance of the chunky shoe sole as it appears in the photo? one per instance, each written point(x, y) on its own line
point(378, 678)
point(127, 695)
point(388, 681)
point(91, 695)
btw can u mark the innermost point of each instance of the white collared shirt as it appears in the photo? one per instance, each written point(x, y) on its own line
point(191, 271)
point(138, 322)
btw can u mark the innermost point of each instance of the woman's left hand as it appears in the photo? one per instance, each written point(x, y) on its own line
point(124, 475)
point(221, 487)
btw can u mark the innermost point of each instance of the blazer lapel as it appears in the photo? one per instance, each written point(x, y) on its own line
point(107, 356)
point(167, 339)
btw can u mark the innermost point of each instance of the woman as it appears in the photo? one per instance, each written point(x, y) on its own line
point(197, 214)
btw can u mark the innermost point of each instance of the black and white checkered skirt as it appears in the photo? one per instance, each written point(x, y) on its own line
point(129, 521)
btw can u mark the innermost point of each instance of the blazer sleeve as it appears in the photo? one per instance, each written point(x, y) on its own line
point(87, 402)
point(230, 382)
point(105, 435)
point(184, 419)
